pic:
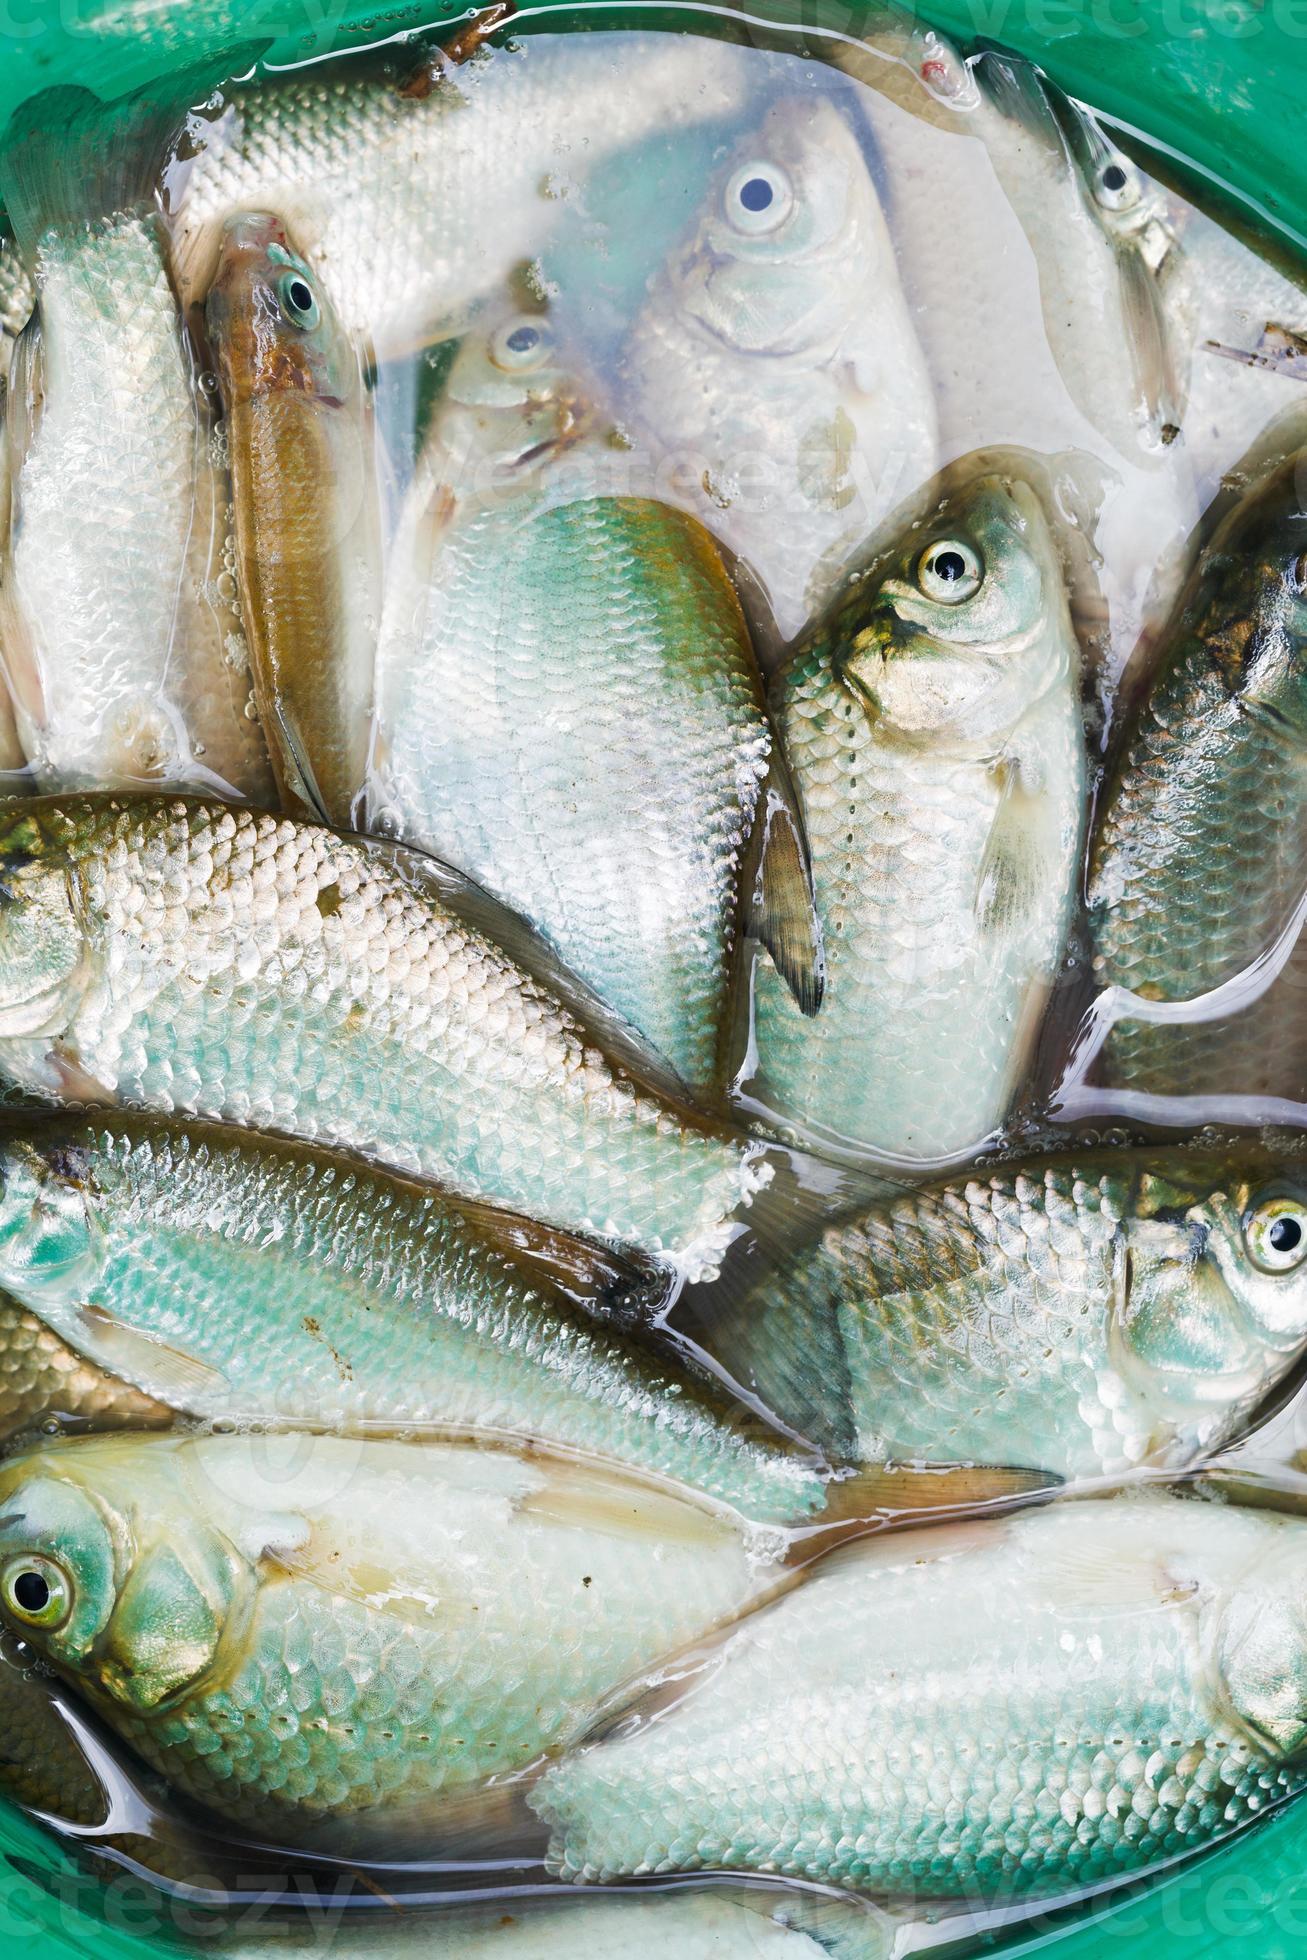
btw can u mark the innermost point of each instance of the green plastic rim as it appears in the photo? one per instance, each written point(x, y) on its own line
point(1218, 87)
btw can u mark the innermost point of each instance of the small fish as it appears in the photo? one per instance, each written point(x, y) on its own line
point(1029, 1706)
point(413, 195)
point(774, 363)
point(1110, 264)
point(308, 533)
point(1087, 1313)
point(933, 729)
point(708, 1924)
point(197, 958)
point(103, 439)
point(1197, 862)
point(324, 1640)
point(571, 712)
point(243, 1279)
point(17, 299)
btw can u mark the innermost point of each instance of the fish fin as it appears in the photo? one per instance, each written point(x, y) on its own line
point(1013, 872)
point(165, 1372)
point(1150, 343)
point(519, 940)
point(296, 783)
point(906, 1493)
point(69, 157)
point(613, 1284)
point(781, 908)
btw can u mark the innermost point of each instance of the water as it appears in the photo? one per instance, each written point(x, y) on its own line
point(972, 304)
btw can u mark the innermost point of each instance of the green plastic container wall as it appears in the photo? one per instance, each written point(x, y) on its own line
point(1218, 85)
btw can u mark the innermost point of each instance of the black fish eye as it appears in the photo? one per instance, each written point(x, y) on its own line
point(299, 295)
point(950, 566)
point(31, 1592)
point(756, 194)
point(523, 339)
point(1114, 178)
point(1285, 1235)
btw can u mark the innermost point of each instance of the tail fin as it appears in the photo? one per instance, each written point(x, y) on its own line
point(70, 158)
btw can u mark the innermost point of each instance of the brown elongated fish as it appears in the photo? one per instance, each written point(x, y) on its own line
point(307, 529)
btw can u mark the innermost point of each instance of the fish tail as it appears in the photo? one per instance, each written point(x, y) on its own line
point(71, 158)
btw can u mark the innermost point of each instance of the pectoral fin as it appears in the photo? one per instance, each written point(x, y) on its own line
point(166, 1373)
point(1014, 871)
point(781, 911)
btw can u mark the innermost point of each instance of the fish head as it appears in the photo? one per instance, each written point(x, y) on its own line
point(43, 946)
point(513, 402)
point(791, 234)
point(957, 638)
point(271, 326)
point(107, 1573)
point(1211, 1282)
point(51, 1244)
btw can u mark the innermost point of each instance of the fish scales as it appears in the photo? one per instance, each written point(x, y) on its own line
point(580, 727)
point(323, 1646)
point(226, 963)
point(1028, 1707)
point(412, 204)
point(241, 1279)
point(1083, 1313)
point(1213, 773)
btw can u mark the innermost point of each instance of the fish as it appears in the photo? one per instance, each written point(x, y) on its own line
point(1105, 243)
point(932, 724)
point(1089, 1312)
point(571, 712)
point(103, 436)
point(324, 1640)
point(775, 366)
point(987, 291)
point(717, 1923)
point(1067, 1696)
point(413, 191)
point(1196, 868)
point(17, 300)
point(308, 527)
point(239, 1279)
point(209, 960)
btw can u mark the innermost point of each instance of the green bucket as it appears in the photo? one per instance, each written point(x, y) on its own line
point(1216, 91)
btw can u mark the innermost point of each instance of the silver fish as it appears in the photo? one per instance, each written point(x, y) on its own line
point(774, 363)
point(932, 724)
point(1069, 1696)
point(411, 195)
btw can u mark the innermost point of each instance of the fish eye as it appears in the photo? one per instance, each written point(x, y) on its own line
point(759, 198)
point(1118, 186)
point(1275, 1233)
point(36, 1592)
point(521, 345)
point(950, 571)
point(299, 302)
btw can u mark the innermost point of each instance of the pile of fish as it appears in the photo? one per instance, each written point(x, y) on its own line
point(600, 780)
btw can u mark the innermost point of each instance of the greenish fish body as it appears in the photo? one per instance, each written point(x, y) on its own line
point(570, 711)
point(200, 959)
point(1083, 1313)
point(933, 731)
point(242, 1279)
point(1066, 1697)
point(414, 193)
point(321, 1640)
point(1197, 863)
